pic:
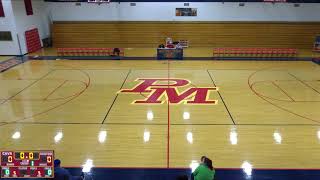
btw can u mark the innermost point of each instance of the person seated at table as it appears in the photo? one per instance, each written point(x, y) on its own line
point(161, 46)
point(170, 45)
point(178, 46)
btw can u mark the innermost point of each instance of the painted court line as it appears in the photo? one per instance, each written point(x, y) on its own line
point(168, 127)
point(55, 89)
point(221, 98)
point(216, 168)
point(31, 84)
point(59, 105)
point(48, 123)
point(268, 97)
point(159, 124)
point(250, 84)
point(304, 83)
point(114, 100)
point(282, 90)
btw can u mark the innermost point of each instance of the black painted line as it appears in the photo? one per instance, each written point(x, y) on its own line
point(154, 124)
point(92, 69)
point(204, 124)
point(221, 98)
point(37, 80)
point(304, 83)
point(47, 123)
point(114, 100)
point(278, 124)
point(230, 69)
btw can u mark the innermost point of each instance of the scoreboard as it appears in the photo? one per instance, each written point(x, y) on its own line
point(27, 164)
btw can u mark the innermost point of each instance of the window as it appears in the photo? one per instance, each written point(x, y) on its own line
point(5, 36)
point(28, 5)
point(1, 9)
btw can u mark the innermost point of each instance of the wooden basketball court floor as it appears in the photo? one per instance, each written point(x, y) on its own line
point(267, 113)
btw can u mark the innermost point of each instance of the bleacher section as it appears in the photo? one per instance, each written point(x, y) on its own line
point(87, 51)
point(255, 52)
point(199, 34)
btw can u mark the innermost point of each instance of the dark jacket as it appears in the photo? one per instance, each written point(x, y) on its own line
point(61, 174)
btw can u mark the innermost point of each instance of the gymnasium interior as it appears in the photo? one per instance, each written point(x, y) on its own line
point(144, 89)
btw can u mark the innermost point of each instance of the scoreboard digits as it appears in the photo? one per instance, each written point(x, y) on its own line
point(27, 164)
point(26, 155)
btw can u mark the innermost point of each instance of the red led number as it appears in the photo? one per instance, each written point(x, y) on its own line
point(49, 159)
point(9, 159)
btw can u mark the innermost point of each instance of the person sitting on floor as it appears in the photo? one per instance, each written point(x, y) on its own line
point(59, 172)
point(63, 174)
point(116, 52)
point(182, 177)
point(204, 171)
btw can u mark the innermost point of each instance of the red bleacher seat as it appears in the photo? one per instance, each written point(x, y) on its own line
point(255, 52)
point(87, 51)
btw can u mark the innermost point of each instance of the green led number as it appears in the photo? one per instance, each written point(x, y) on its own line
point(32, 163)
point(49, 172)
point(7, 172)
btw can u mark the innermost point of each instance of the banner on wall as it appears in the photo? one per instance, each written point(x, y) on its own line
point(186, 11)
point(316, 46)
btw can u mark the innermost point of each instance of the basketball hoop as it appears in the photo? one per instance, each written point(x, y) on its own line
point(99, 2)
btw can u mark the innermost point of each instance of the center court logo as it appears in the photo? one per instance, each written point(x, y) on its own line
point(174, 91)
